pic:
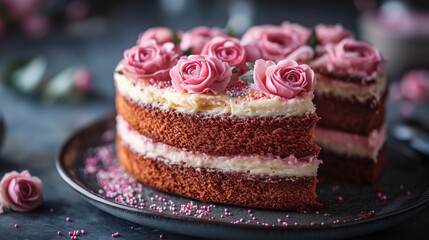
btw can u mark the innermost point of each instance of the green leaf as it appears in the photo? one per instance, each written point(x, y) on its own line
point(247, 77)
point(312, 40)
point(25, 75)
point(235, 70)
point(176, 37)
point(250, 65)
point(229, 30)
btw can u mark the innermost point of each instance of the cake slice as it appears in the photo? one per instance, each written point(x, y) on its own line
point(350, 99)
point(203, 132)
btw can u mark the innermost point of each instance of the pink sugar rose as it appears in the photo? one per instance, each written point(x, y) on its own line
point(415, 86)
point(196, 38)
point(150, 60)
point(226, 49)
point(273, 42)
point(160, 34)
point(200, 74)
point(21, 191)
point(302, 32)
point(331, 33)
point(287, 79)
point(351, 57)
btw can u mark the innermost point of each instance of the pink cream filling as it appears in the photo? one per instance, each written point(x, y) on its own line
point(351, 144)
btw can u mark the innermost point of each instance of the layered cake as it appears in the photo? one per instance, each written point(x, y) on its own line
point(350, 94)
point(350, 99)
point(210, 127)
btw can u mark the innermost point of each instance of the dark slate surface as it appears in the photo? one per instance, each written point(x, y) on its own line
point(34, 131)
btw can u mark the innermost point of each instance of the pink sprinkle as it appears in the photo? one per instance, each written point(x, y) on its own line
point(68, 219)
point(408, 193)
point(287, 216)
point(161, 236)
point(16, 225)
point(279, 220)
point(116, 234)
point(340, 198)
point(249, 211)
point(70, 233)
point(59, 233)
point(83, 232)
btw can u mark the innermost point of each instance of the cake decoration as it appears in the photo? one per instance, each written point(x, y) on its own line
point(331, 34)
point(150, 60)
point(193, 41)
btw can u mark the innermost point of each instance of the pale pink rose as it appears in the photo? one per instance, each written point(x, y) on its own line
point(302, 53)
point(196, 38)
point(273, 42)
point(21, 191)
point(351, 57)
point(331, 33)
point(150, 60)
point(415, 86)
point(200, 74)
point(226, 49)
point(252, 51)
point(160, 34)
point(82, 81)
point(286, 79)
point(302, 32)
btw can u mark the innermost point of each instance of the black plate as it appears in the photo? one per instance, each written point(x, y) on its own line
point(349, 209)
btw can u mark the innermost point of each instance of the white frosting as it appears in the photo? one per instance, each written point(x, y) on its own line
point(349, 90)
point(348, 144)
point(167, 98)
point(253, 164)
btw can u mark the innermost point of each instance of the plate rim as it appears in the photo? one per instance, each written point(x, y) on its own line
point(409, 209)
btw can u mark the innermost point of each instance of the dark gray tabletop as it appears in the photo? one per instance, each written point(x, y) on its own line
point(35, 131)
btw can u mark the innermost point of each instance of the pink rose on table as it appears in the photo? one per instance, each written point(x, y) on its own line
point(415, 86)
point(286, 79)
point(200, 74)
point(21, 191)
point(160, 34)
point(150, 60)
point(273, 42)
point(352, 57)
point(331, 33)
point(196, 38)
point(226, 49)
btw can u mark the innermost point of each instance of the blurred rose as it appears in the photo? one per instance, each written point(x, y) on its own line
point(196, 38)
point(160, 34)
point(302, 32)
point(415, 85)
point(82, 81)
point(331, 33)
point(274, 42)
point(21, 191)
point(36, 26)
point(358, 59)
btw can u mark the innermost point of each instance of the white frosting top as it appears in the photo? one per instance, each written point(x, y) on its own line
point(167, 98)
